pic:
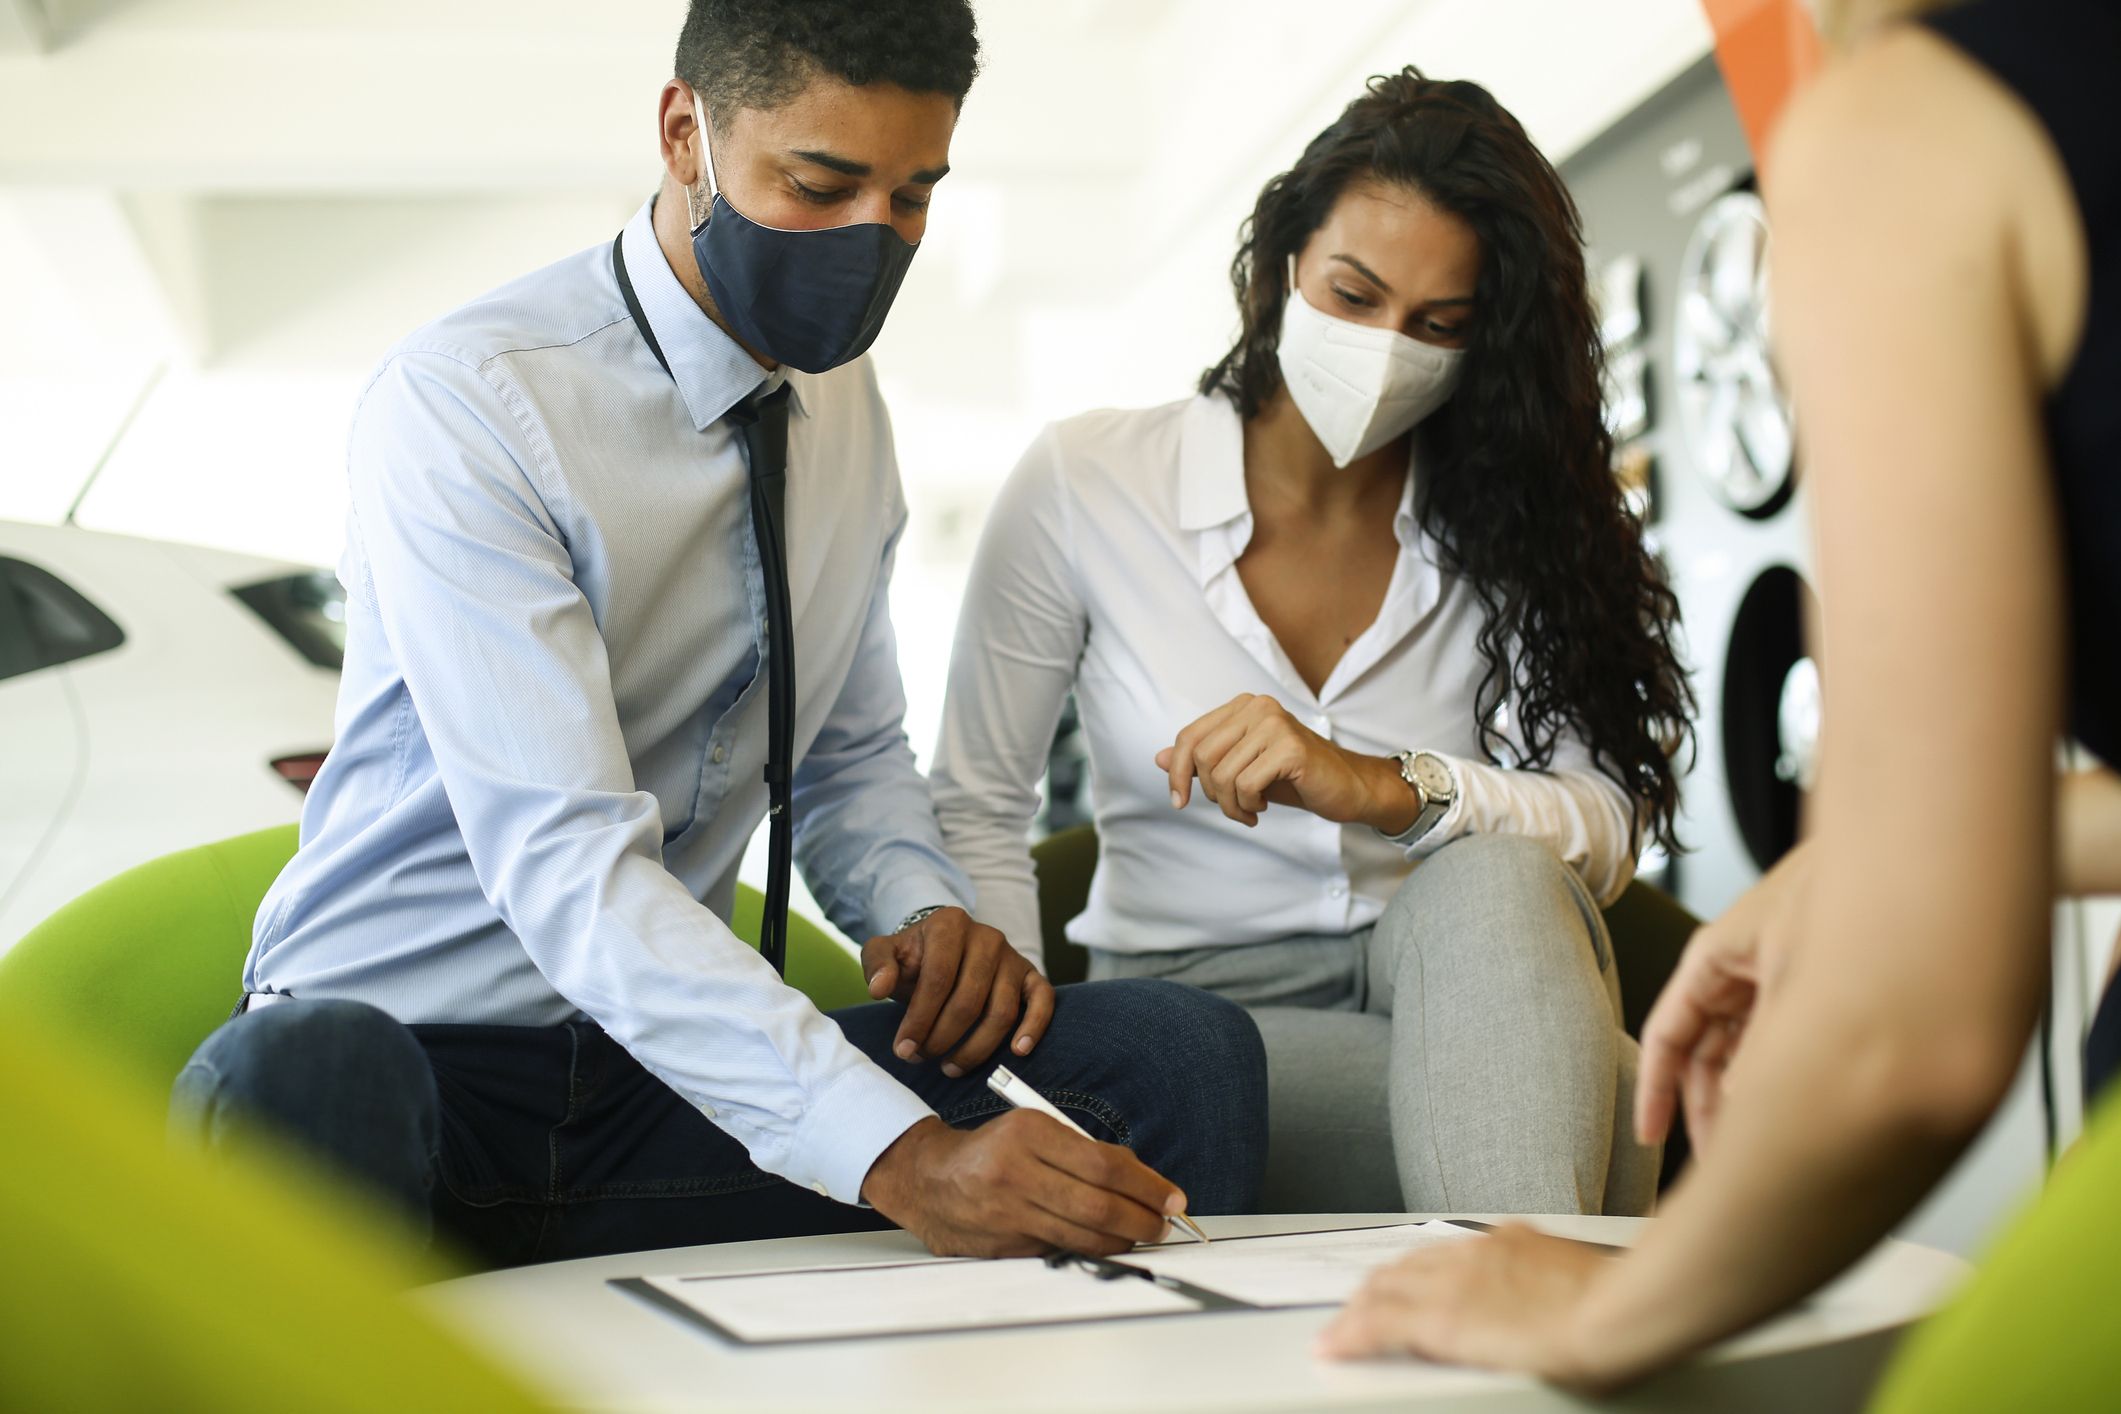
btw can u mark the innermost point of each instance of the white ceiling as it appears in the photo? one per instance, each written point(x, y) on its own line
point(264, 194)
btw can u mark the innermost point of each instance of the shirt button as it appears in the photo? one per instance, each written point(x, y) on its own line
point(821, 1190)
point(709, 1110)
point(718, 756)
point(1337, 890)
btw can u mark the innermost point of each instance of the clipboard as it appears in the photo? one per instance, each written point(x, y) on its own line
point(955, 1295)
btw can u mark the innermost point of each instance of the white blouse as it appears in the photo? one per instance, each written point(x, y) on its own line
point(1109, 566)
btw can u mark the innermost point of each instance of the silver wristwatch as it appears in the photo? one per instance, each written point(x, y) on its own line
point(918, 914)
point(1435, 786)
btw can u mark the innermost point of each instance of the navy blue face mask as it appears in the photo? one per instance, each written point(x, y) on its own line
point(810, 299)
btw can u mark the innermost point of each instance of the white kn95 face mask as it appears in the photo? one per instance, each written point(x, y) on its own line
point(1357, 385)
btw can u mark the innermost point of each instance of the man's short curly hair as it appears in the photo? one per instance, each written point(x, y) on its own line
point(762, 53)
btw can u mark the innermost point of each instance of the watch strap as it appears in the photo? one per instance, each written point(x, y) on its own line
point(1433, 807)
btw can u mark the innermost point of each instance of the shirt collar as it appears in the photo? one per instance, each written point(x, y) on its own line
point(711, 369)
point(1211, 464)
point(1212, 505)
point(1211, 473)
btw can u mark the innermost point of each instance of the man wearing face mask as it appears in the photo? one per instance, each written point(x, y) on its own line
point(617, 566)
point(1308, 617)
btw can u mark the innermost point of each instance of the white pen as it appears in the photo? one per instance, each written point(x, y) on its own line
point(1005, 1083)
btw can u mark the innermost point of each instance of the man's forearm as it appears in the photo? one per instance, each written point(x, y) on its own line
point(868, 843)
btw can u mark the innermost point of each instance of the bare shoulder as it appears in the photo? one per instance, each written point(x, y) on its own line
point(1882, 127)
point(1908, 144)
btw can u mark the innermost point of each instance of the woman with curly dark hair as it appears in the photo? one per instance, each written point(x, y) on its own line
point(1378, 573)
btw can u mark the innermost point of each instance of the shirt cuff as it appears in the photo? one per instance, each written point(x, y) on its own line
point(910, 894)
point(845, 1128)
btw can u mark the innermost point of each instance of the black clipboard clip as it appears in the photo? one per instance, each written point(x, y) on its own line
point(1105, 1269)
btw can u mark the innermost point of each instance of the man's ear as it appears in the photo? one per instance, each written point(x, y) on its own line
point(681, 153)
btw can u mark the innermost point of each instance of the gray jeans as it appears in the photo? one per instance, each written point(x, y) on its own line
point(1465, 1054)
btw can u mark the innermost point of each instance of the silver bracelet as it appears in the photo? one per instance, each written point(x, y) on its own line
point(918, 914)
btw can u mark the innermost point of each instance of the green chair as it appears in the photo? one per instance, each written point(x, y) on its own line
point(1648, 926)
point(244, 1285)
point(144, 966)
point(2035, 1330)
point(141, 1278)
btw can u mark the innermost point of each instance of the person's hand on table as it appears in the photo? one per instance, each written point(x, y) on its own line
point(1509, 1301)
point(1693, 1032)
point(964, 989)
point(1252, 752)
point(1019, 1185)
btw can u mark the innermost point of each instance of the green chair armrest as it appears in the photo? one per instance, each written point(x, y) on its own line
point(1649, 929)
point(1065, 862)
point(145, 965)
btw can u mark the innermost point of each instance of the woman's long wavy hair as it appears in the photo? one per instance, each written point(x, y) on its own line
point(1517, 483)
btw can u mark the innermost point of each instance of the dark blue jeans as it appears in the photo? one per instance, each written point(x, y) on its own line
point(534, 1144)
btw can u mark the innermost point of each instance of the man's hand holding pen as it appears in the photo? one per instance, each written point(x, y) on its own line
point(1019, 1185)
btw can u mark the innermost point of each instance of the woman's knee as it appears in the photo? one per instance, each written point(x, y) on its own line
point(1492, 872)
point(1489, 861)
point(1487, 897)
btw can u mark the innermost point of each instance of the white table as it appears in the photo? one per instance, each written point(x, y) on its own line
point(598, 1348)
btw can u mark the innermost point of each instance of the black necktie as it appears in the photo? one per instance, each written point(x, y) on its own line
point(763, 424)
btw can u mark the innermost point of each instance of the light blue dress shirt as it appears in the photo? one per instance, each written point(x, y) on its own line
point(552, 726)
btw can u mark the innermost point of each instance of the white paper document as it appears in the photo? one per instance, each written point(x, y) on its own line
point(848, 1303)
point(1299, 1269)
point(919, 1296)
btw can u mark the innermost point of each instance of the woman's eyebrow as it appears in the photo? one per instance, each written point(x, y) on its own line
point(1378, 280)
point(849, 167)
point(1365, 271)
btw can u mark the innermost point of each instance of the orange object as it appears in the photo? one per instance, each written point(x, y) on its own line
point(1767, 49)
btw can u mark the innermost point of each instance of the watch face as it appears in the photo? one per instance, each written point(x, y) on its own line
point(1432, 775)
point(1732, 409)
